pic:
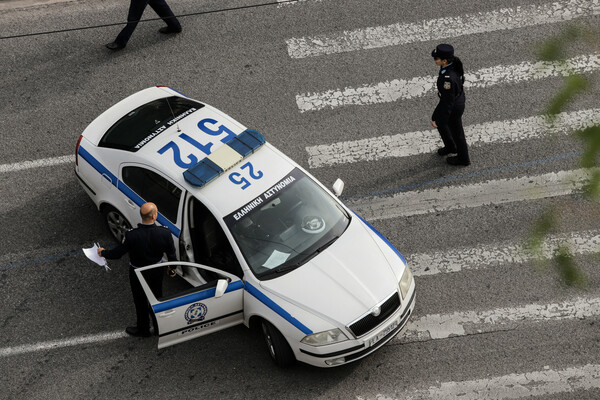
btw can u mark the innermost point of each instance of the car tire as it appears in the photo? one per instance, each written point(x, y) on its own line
point(278, 347)
point(117, 224)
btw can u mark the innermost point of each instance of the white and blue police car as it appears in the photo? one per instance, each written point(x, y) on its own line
point(261, 242)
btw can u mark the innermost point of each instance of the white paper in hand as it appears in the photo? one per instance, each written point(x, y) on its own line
point(92, 254)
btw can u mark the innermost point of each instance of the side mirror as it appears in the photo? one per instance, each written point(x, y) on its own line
point(338, 187)
point(221, 287)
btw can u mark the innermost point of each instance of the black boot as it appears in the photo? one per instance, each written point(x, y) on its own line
point(455, 160)
point(444, 151)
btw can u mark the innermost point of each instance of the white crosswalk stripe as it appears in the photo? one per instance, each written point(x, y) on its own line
point(403, 89)
point(513, 386)
point(457, 197)
point(428, 327)
point(484, 256)
point(463, 323)
point(420, 142)
point(441, 28)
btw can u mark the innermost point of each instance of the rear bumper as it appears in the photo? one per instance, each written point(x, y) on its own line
point(85, 186)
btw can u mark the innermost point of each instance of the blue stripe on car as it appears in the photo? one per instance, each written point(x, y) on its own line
point(382, 238)
point(275, 307)
point(98, 166)
point(194, 297)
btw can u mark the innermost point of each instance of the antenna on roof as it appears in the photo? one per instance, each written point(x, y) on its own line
point(172, 113)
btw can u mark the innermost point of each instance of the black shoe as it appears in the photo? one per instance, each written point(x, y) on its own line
point(134, 331)
point(114, 46)
point(455, 160)
point(167, 30)
point(443, 151)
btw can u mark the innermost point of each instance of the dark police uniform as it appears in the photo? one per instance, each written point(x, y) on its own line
point(146, 245)
point(136, 9)
point(448, 113)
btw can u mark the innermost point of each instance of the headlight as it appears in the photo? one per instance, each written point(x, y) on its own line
point(405, 282)
point(326, 337)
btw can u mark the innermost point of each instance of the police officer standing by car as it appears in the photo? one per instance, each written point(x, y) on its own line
point(447, 116)
point(146, 245)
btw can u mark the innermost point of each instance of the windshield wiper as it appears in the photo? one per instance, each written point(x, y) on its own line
point(317, 251)
point(289, 267)
point(280, 270)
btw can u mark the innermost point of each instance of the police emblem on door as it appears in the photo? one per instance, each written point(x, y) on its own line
point(195, 313)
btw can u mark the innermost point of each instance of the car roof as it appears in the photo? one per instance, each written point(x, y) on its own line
point(179, 148)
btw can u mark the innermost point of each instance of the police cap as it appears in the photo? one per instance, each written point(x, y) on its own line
point(443, 52)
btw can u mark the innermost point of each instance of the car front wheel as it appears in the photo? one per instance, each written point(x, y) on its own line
point(278, 347)
point(116, 222)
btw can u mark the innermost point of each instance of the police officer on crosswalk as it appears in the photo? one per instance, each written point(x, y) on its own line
point(447, 116)
point(146, 245)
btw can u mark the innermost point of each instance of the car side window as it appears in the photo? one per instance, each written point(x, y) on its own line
point(150, 186)
point(211, 246)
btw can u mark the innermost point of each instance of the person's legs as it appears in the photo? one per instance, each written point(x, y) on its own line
point(136, 9)
point(446, 135)
point(162, 9)
point(141, 303)
point(458, 136)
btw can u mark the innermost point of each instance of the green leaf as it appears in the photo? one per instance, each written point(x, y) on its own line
point(591, 143)
point(573, 86)
point(566, 268)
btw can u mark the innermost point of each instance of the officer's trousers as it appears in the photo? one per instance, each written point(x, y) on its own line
point(142, 308)
point(136, 9)
point(453, 134)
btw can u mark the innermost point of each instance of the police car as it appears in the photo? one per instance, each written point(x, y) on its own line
point(261, 242)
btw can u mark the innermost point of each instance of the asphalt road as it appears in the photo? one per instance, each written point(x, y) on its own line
point(520, 332)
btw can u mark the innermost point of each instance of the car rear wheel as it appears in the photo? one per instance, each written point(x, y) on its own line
point(116, 222)
point(278, 347)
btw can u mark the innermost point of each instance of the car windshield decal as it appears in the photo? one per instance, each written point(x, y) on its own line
point(284, 183)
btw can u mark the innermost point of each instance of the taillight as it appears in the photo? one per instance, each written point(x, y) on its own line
point(77, 150)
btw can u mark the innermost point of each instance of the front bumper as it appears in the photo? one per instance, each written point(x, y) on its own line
point(355, 349)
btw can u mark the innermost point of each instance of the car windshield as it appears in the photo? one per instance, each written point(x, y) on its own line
point(287, 225)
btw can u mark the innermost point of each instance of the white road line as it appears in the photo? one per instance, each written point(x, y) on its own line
point(56, 344)
point(44, 162)
point(404, 33)
point(483, 256)
point(443, 326)
point(429, 327)
point(284, 3)
point(512, 386)
point(419, 142)
point(457, 197)
point(404, 89)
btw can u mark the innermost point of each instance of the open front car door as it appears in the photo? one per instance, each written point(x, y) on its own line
point(186, 308)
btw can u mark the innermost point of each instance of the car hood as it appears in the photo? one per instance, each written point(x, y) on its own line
point(343, 282)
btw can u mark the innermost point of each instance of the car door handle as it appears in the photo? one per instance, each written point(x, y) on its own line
point(131, 203)
point(106, 180)
point(166, 313)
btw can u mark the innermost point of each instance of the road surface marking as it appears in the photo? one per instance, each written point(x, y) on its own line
point(428, 327)
point(43, 162)
point(464, 323)
point(457, 197)
point(482, 256)
point(404, 89)
point(441, 28)
point(420, 142)
point(57, 344)
point(512, 386)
